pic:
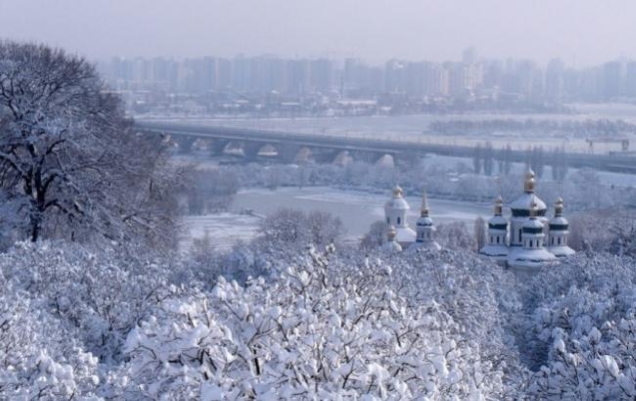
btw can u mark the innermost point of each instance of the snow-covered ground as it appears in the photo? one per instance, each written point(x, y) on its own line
point(224, 229)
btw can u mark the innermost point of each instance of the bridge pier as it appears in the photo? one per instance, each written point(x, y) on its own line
point(287, 152)
point(185, 143)
point(251, 149)
point(324, 155)
point(216, 147)
point(304, 156)
point(386, 160)
point(366, 156)
point(342, 159)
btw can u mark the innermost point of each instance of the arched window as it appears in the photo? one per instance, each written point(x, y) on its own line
point(398, 221)
point(497, 239)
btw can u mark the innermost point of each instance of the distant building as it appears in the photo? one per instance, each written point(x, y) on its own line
point(613, 78)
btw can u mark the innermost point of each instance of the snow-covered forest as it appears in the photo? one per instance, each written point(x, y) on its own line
point(96, 303)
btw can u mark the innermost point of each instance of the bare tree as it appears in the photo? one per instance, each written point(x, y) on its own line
point(375, 237)
point(477, 156)
point(295, 228)
point(69, 160)
point(488, 159)
point(480, 232)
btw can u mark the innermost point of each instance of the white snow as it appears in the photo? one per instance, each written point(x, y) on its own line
point(223, 229)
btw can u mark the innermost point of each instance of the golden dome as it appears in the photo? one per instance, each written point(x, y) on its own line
point(397, 191)
point(498, 206)
point(558, 207)
point(391, 233)
point(528, 185)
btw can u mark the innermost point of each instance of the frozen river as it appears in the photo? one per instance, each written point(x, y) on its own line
point(357, 210)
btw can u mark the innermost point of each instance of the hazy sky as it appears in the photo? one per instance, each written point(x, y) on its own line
point(581, 32)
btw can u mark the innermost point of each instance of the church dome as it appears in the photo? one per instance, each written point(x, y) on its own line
point(497, 223)
point(520, 207)
point(558, 222)
point(525, 201)
point(532, 226)
point(424, 222)
point(397, 202)
point(391, 245)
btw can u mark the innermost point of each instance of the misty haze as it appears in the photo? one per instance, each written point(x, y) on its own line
point(317, 200)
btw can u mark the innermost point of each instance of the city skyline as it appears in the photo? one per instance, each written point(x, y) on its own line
point(579, 32)
point(521, 79)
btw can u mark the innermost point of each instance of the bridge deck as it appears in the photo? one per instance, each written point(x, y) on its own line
point(622, 163)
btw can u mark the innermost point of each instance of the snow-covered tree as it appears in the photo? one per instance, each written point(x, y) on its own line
point(69, 160)
point(39, 358)
point(98, 294)
point(375, 237)
point(326, 328)
point(577, 331)
point(298, 229)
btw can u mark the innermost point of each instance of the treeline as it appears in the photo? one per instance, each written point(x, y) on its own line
point(490, 161)
point(583, 189)
point(576, 128)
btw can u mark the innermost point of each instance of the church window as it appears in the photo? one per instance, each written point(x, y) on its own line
point(398, 221)
point(497, 239)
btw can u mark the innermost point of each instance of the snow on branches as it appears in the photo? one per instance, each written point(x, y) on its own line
point(69, 160)
point(324, 329)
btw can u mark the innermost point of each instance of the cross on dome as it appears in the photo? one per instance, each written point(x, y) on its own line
point(424, 210)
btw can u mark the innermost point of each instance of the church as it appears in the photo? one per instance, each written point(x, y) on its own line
point(526, 240)
point(402, 237)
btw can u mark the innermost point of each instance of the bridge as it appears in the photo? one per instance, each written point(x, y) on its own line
point(290, 146)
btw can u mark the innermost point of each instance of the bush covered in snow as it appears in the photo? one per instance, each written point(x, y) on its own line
point(80, 322)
